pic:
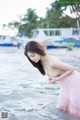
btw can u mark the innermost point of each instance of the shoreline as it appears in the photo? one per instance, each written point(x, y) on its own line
point(75, 52)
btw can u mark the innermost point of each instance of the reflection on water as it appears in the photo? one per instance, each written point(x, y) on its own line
point(24, 92)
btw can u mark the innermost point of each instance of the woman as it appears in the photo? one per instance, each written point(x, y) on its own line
point(68, 77)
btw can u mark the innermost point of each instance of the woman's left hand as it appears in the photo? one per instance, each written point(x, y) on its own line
point(53, 79)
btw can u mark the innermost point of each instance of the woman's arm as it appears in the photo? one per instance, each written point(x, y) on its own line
point(57, 64)
point(66, 73)
point(53, 79)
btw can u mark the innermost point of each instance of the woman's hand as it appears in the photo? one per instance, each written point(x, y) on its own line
point(52, 79)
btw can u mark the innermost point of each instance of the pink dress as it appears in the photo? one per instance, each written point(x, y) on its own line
point(69, 97)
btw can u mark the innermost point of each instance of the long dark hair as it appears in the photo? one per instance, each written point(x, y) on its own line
point(35, 47)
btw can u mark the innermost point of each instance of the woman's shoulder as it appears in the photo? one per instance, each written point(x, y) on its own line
point(52, 58)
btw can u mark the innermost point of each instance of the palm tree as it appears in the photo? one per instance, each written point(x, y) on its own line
point(30, 20)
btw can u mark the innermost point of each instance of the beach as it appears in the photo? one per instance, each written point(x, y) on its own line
point(24, 92)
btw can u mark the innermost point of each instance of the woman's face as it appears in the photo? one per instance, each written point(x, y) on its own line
point(35, 57)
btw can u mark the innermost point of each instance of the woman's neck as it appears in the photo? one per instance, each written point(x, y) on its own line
point(44, 58)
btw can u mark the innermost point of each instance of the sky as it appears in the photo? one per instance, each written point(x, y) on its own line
point(12, 9)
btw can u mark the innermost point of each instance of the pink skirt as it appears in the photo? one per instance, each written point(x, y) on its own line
point(69, 97)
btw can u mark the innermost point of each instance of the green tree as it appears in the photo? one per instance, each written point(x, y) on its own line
point(26, 24)
point(57, 17)
point(73, 4)
point(30, 21)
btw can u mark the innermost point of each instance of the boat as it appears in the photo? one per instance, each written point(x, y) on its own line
point(55, 37)
point(8, 41)
point(65, 43)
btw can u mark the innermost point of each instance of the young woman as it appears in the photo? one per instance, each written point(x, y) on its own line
point(68, 77)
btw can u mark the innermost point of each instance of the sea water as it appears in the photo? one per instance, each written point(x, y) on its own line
point(26, 94)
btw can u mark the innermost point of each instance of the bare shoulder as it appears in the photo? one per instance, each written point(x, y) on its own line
point(53, 59)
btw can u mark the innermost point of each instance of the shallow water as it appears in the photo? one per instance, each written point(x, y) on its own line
point(24, 92)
